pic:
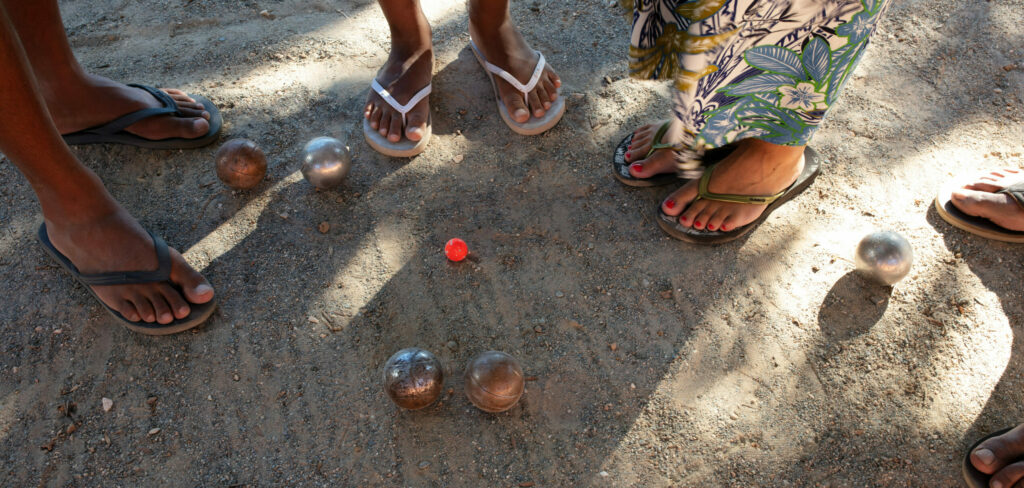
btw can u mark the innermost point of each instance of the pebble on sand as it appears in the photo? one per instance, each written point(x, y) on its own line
point(107, 404)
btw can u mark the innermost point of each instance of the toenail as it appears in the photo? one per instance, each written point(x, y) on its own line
point(697, 224)
point(725, 229)
point(670, 204)
point(985, 456)
point(711, 227)
point(683, 219)
point(628, 154)
point(997, 484)
point(637, 167)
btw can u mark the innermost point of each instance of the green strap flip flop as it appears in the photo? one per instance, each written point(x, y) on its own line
point(670, 224)
point(200, 311)
point(620, 167)
point(114, 132)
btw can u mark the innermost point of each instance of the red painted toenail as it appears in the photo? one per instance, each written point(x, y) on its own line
point(711, 227)
point(683, 219)
point(725, 229)
point(637, 167)
point(697, 224)
point(628, 154)
point(670, 204)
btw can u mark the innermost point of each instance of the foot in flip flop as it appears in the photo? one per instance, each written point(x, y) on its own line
point(755, 172)
point(1000, 458)
point(109, 240)
point(499, 43)
point(645, 163)
point(398, 106)
point(82, 110)
point(985, 197)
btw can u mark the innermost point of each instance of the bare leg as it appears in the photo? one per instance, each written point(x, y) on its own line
point(78, 100)
point(408, 69)
point(490, 25)
point(83, 220)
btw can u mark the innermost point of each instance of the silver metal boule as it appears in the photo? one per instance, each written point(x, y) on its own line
point(325, 162)
point(884, 256)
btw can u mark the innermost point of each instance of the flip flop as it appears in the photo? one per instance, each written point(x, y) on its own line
point(620, 168)
point(978, 225)
point(533, 126)
point(671, 224)
point(404, 148)
point(200, 311)
point(973, 477)
point(113, 132)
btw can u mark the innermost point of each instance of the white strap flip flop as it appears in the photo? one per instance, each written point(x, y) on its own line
point(404, 148)
point(535, 125)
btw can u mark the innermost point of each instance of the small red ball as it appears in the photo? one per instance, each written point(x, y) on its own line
point(456, 249)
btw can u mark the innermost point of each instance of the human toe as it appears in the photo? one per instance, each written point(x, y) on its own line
point(534, 101)
point(1008, 477)
point(517, 108)
point(993, 454)
point(543, 97)
point(385, 123)
point(196, 288)
point(374, 118)
point(395, 131)
point(161, 309)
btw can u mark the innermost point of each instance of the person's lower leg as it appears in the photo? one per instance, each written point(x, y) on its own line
point(77, 99)
point(83, 220)
point(492, 29)
point(408, 69)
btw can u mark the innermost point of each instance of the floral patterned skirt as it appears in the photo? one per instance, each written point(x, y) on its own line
point(768, 69)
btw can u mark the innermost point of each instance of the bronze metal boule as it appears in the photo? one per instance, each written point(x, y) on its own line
point(241, 164)
point(494, 381)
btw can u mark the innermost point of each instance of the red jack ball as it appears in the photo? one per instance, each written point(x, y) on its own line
point(456, 249)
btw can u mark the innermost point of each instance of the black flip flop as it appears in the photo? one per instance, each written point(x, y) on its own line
point(671, 224)
point(620, 168)
point(973, 477)
point(978, 225)
point(200, 311)
point(113, 132)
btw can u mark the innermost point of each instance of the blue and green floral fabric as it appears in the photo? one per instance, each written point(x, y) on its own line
point(768, 69)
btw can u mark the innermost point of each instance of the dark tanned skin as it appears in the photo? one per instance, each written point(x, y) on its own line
point(51, 95)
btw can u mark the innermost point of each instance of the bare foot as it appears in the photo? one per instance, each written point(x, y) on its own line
point(754, 168)
point(1002, 457)
point(103, 237)
point(408, 69)
point(505, 48)
point(979, 198)
point(96, 100)
point(644, 166)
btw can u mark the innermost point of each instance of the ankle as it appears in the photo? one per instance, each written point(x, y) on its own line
point(84, 199)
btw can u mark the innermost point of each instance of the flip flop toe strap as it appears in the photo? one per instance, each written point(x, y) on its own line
point(703, 192)
point(505, 75)
point(123, 122)
point(400, 107)
point(161, 274)
point(1016, 191)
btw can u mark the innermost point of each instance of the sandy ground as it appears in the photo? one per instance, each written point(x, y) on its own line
point(765, 362)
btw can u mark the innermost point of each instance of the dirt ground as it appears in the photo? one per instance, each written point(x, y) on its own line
point(764, 362)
